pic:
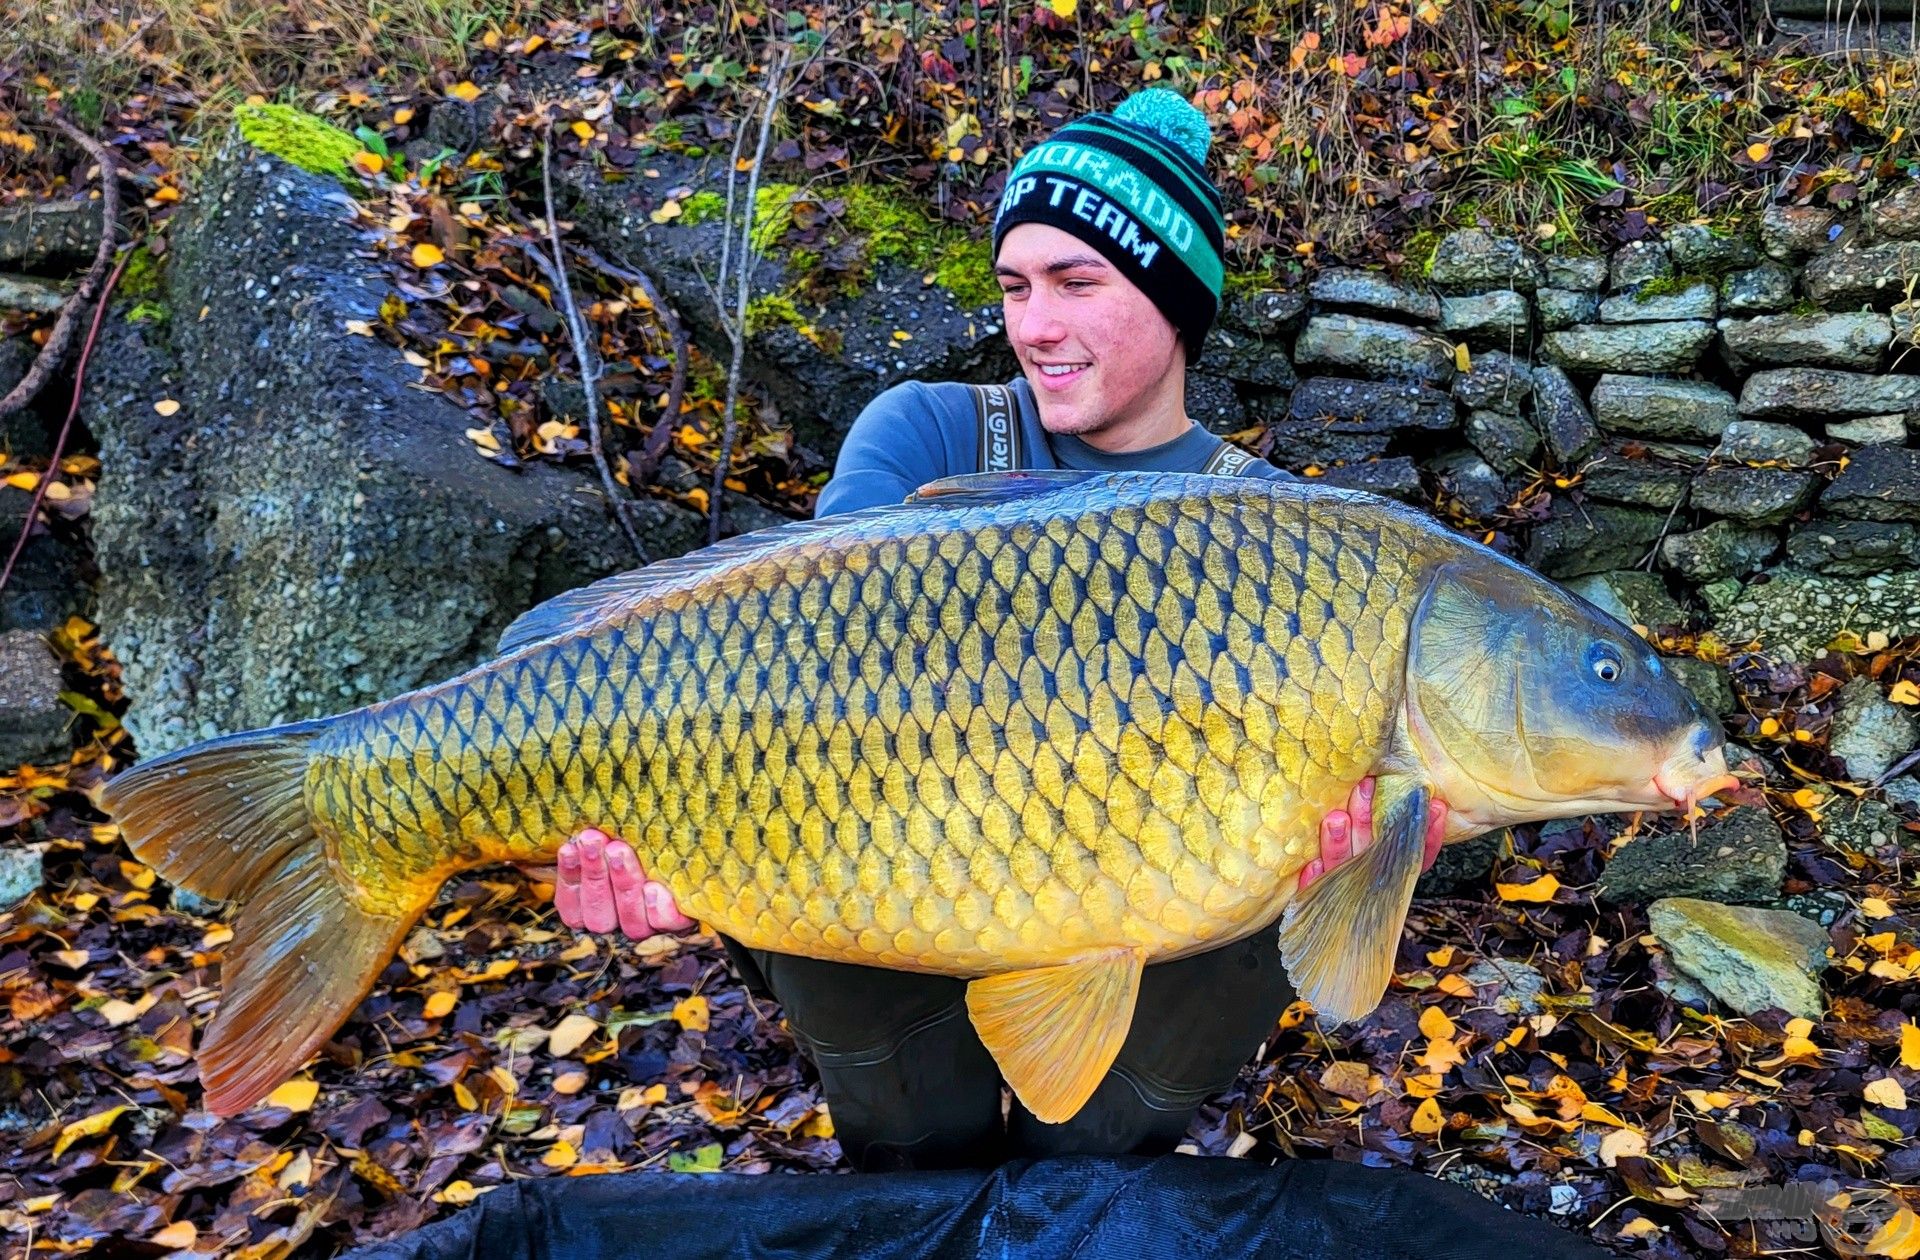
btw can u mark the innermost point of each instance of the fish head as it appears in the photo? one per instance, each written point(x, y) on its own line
point(1525, 702)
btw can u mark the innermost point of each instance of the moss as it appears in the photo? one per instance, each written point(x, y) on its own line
point(1667, 286)
point(966, 271)
point(773, 308)
point(148, 312)
point(309, 142)
point(142, 277)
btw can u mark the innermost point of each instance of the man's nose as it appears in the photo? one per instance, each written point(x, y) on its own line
point(1038, 323)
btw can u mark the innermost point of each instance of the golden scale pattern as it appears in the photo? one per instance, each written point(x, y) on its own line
point(987, 737)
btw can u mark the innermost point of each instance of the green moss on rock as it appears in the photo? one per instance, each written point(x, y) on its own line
point(306, 140)
point(142, 277)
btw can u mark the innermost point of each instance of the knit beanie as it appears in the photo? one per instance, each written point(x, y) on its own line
point(1133, 185)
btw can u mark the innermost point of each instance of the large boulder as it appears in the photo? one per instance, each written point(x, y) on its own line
point(1662, 408)
point(1672, 346)
point(1870, 734)
point(1739, 858)
point(1748, 958)
point(1847, 339)
point(1374, 347)
point(1804, 393)
point(1855, 548)
point(306, 533)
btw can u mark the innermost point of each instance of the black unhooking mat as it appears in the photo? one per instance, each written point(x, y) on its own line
point(1083, 1207)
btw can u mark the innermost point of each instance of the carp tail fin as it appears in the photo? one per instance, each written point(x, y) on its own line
point(1338, 938)
point(228, 819)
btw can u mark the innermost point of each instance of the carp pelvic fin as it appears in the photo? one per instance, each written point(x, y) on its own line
point(1054, 1031)
point(1339, 938)
point(998, 487)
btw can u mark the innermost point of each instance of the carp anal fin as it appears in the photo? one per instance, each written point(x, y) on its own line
point(1054, 1031)
point(998, 487)
point(1338, 939)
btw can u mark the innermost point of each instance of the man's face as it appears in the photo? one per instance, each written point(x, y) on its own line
point(1097, 351)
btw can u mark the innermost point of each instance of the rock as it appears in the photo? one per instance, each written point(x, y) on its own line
point(1636, 597)
point(1698, 249)
point(51, 580)
point(1854, 548)
point(1794, 614)
point(1638, 262)
point(1636, 473)
point(1331, 419)
point(21, 873)
point(1754, 496)
point(1868, 732)
point(1516, 987)
point(1853, 339)
point(1695, 301)
point(1768, 287)
point(1473, 261)
point(1721, 550)
point(1904, 791)
point(347, 544)
point(1870, 431)
point(32, 294)
point(1562, 416)
point(1823, 906)
point(1371, 293)
point(1583, 273)
point(1252, 360)
point(1269, 314)
point(1396, 478)
point(1864, 826)
point(21, 433)
point(1750, 959)
point(1708, 684)
point(1214, 402)
point(1498, 319)
point(50, 236)
point(1662, 408)
point(1591, 538)
point(1879, 483)
point(1665, 347)
point(1862, 275)
point(1789, 233)
point(1896, 216)
point(1739, 858)
point(1803, 393)
point(1563, 308)
point(1761, 441)
point(1497, 382)
point(1375, 348)
point(1473, 481)
point(1299, 445)
point(33, 722)
point(1460, 865)
point(1508, 442)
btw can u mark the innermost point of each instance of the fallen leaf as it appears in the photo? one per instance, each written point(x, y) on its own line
point(1621, 1142)
point(93, 1126)
point(294, 1095)
point(176, 1237)
point(1875, 908)
point(1899, 1238)
point(561, 1155)
point(691, 1013)
point(427, 254)
point(583, 130)
point(117, 1012)
point(1910, 1044)
point(166, 406)
point(1063, 8)
point(1886, 1092)
point(1434, 1023)
point(1541, 889)
point(464, 91)
point(1759, 151)
point(441, 1004)
point(1428, 1118)
point(568, 1035)
point(1906, 691)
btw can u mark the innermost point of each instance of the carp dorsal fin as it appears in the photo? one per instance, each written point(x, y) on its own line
point(1054, 1031)
point(581, 607)
point(1338, 939)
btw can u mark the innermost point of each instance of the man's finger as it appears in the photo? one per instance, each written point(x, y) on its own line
point(662, 911)
point(1336, 839)
point(1360, 805)
point(1436, 832)
point(566, 889)
point(596, 889)
point(1310, 872)
point(629, 883)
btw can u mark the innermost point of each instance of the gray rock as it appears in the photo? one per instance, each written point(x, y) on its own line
point(1636, 473)
point(1879, 483)
point(1721, 550)
point(1576, 539)
point(1823, 906)
point(49, 235)
point(1299, 445)
point(1496, 382)
point(1583, 273)
point(1870, 733)
point(1695, 301)
point(1395, 478)
point(1795, 614)
point(1250, 360)
point(1498, 319)
point(33, 722)
point(1739, 858)
point(1870, 431)
point(1214, 402)
point(1344, 405)
point(1862, 275)
point(1473, 261)
point(1463, 864)
point(50, 581)
point(32, 294)
point(1896, 216)
point(1269, 314)
point(1669, 347)
point(1563, 308)
point(1637, 262)
point(21, 873)
point(1721, 596)
point(1508, 442)
point(1754, 496)
point(1864, 826)
point(1789, 233)
point(1853, 339)
point(1762, 441)
point(1698, 249)
point(1708, 684)
point(1562, 416)
point(1748, 958)
point(1374, 347)
point(1768, 287)
point(1473, 481)
point(21, 433)
point(1662, 408)
point(1904, 792)
point(1515, 987)
point(1636, 597)
point(1371, 293)
point(1854, 548)
point(1802, 393)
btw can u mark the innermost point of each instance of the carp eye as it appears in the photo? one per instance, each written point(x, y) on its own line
point(1605, 665)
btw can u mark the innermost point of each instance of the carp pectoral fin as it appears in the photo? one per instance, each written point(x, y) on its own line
point(1338, 939)
point(1054, 1031)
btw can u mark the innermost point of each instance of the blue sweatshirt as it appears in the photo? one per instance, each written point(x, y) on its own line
point(916, 432)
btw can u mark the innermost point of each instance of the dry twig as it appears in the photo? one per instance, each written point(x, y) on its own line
point(657, 441)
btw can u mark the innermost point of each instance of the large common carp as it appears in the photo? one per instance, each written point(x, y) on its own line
point(1034, 729)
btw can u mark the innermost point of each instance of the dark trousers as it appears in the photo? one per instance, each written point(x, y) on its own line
point(909, 1085)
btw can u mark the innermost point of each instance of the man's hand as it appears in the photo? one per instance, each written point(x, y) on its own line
point(601, 885)
point(1347, 833)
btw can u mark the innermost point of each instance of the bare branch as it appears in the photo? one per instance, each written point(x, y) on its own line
point(657, 441)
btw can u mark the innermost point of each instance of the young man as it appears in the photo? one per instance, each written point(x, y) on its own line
point(1108, 245)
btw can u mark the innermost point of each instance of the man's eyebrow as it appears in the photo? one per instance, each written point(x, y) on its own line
point(1058, 265)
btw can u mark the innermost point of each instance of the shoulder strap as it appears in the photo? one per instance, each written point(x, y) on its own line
point(999, 430)
point(1228, 461)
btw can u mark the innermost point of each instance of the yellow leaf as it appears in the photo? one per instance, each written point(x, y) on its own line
point(1440, 957)
point(1422, 1085)
point(360, 328)
point(666, 213)
point(1455, 986)
point(1063, 8)
point(41, 1203)
point(427, 254)
point(176, 1237)
point(464, 91)
point(440, 1005)
point(1541, 889)
point(561, 1155)
point(570, 1032)
point(1434, 1023)
point(569, 1082)
point(1427, 1117)
point(295, 1095)
point(93, 1126)
point(1639, 1227)
point(30, 481)
point(1910, 1044)
point(1621, 1142)
point(217, 935)
point(73, 958)
point(367, 162)
point(139, 876)
point(483, 438)
point(1905, 692)
point(583, 129)
point(401, 117)
point(1462, 357)
point(1886, 1092)
point(1899, 1238)
point(1759, 151)
point(464, 1096)
point(460, 1192)
point(1875, 908)
point(691, 1013)
point(166, 406)
point(116, 1012)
